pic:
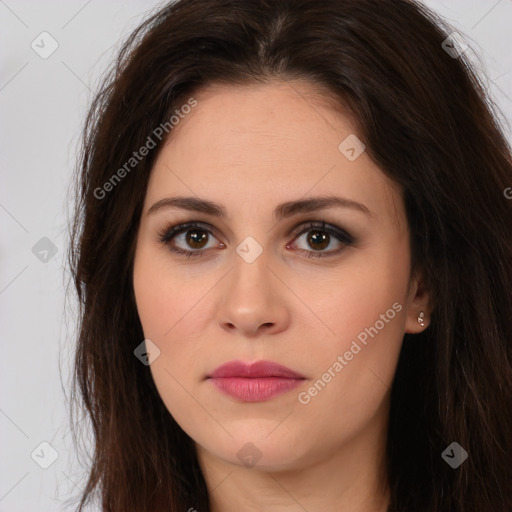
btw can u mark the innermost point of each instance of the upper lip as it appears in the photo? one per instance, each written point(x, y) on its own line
point(254, 370)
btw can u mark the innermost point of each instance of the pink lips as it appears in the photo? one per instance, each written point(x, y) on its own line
point(254, 382)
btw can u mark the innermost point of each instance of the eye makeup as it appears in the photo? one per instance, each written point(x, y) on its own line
point(202, 232)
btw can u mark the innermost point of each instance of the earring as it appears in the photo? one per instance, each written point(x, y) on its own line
point(421, 320)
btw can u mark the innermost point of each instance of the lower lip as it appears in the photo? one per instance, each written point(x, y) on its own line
point(255, 389)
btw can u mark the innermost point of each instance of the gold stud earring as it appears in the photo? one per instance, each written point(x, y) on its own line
point(421, 319)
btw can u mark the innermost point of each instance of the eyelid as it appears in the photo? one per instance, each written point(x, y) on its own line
point(340, 233)
point(170, 231)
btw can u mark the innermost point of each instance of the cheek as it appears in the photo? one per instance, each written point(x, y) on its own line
point(165, 300)
point(366, 326)
point(172, 315)
point(355, 364)
point(374, 314)
point(370, 289)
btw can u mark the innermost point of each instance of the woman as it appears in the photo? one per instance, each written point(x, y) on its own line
point(292, 251)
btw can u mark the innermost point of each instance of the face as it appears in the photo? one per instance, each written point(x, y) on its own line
point(321, 288)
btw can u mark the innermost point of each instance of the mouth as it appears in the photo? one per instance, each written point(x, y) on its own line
point(254, 382)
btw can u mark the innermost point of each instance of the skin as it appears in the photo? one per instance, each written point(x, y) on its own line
point(250, 149)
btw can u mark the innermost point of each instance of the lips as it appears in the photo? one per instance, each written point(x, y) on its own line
point(254, 382)
point(259, 369)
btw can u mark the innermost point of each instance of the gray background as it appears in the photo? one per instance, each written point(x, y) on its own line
point(42, 107)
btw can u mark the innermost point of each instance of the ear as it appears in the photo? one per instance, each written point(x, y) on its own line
point(420, 299)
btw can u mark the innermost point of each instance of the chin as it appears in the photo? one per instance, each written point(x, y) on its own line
point(272, 453)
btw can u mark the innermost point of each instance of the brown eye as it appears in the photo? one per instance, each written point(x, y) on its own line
point(318, 240)
point(196, 238)
point(321, 236)
point(189, 239)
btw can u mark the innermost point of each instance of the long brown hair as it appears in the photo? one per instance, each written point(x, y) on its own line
point(427, 122)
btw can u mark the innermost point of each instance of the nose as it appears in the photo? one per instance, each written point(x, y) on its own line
point(253, 300)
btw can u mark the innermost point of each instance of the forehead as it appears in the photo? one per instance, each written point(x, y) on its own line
point(280, 139)
point(285, 111)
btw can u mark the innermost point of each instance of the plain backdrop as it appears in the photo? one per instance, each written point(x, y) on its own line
point(43, 102)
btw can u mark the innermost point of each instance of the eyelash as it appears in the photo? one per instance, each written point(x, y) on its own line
point(169, 232)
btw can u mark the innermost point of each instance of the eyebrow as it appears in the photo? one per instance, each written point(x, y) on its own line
point(282, 211)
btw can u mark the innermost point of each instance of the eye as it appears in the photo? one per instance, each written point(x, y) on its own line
point(192, 238)
point(321, 236)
